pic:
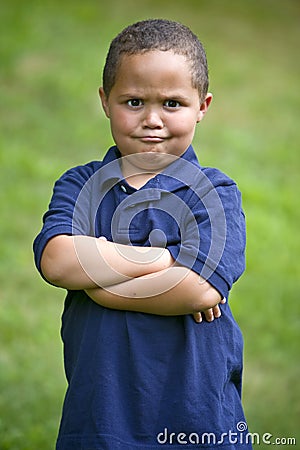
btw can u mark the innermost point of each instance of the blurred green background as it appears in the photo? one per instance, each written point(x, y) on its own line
point(52, 54)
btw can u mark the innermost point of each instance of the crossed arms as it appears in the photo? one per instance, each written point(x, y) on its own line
point(117, 276)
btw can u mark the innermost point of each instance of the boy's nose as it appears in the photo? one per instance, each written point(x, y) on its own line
point(152, 119)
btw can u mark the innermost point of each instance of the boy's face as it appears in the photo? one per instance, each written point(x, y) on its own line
point(153, 107)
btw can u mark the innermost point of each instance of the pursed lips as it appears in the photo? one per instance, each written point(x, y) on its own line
point(151, 138)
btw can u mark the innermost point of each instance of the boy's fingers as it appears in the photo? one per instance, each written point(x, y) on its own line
point(216, 312)
point(197, 317)
point(210, 314)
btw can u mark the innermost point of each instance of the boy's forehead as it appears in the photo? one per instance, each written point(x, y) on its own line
point(163, 71)
point(155, 60)
point(140, 54)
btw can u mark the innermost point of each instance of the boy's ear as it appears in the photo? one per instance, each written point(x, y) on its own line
point(204, 107)
point(104, 101)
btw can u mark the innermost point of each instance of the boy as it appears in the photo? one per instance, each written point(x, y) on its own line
point(148, 243)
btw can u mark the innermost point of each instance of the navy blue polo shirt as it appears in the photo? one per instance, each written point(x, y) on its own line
point(139, 381)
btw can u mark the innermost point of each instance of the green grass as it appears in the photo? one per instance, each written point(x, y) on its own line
point(52, 55)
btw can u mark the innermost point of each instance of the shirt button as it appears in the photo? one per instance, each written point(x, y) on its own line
point(123, 188)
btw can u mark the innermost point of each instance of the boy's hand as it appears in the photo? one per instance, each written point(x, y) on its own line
point(209, 314)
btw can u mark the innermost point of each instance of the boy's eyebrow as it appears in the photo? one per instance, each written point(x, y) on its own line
point(130, 95)
point(173, 95)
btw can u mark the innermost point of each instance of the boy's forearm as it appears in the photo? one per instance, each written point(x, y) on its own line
point(83, 262)
point(175, 291)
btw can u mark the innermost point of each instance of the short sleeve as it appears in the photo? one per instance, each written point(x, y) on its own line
point(214, 238)
point(59, 219)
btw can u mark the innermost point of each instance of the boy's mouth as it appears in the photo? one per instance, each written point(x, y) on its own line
point(152, 139)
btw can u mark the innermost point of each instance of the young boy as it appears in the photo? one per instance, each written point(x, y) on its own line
point(148, 243)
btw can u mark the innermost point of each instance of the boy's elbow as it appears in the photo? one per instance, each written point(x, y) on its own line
point(50, 271)
point(205, 296)
point(212, 297)
point(52, 262)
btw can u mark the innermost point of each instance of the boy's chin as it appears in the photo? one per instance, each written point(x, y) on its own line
point(151, 160)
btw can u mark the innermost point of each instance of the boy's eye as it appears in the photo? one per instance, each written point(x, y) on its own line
point(172, 104)
point(134, 102)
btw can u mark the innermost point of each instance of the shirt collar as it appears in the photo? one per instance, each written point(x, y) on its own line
point(111, 172)
point(181, 172)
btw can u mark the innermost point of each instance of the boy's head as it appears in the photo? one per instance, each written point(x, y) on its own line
point(154, 91)
point(163, 35)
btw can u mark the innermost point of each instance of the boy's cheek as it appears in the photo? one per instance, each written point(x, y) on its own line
point(121, 122)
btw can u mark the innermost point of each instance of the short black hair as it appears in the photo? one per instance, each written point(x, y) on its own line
point(158, 34)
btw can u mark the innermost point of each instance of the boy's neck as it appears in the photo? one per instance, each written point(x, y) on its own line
point(137, 174)
point(137, 180)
